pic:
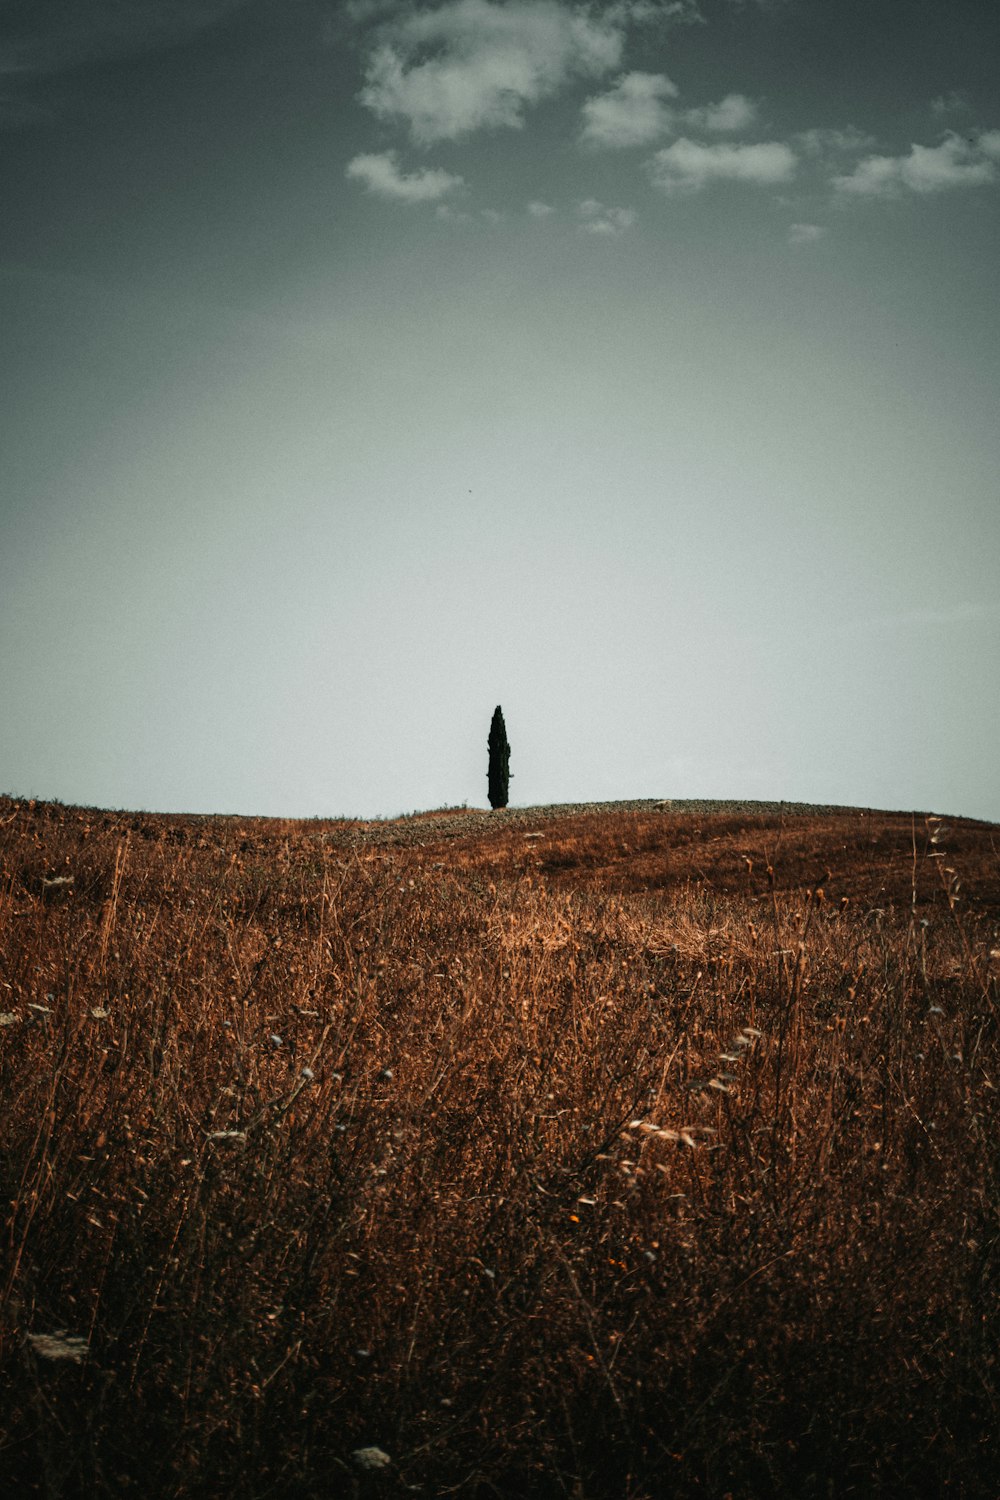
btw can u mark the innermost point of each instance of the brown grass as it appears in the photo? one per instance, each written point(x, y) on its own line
point(656, 1155)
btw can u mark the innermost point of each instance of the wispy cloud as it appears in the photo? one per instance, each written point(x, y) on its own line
point(833, 146)
point(688, 166)
point(731, 115)
point(60, 37)
point(450, 215)
point(806, 234)
point(925, 617)
point(539, 210)
point(380, 174)
point(474, 64)
point(362, 11)
point(597, 218)
point(955, 102)
point(662, 12)
point(956, 162)
point(632, 113)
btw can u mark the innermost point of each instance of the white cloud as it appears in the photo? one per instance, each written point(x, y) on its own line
point(806, 234)
point(957, 162)
point(632, 113)
point(598, 219)
point(731, 115)
point(688, 166)
point(381, 175)
point(875, 177)
point(539, 210)
point(474, 64)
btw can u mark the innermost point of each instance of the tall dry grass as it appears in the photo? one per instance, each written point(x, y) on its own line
point(629, 1156)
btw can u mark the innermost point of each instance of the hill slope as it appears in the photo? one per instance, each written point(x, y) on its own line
point(557, 1151)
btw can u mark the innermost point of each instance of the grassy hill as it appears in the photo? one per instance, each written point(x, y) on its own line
point(587, 1152)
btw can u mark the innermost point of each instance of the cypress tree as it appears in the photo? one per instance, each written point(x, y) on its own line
point(498, 775)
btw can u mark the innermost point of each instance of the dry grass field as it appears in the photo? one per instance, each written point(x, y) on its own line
point(624, 1154)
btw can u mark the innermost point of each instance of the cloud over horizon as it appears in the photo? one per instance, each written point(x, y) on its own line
point(597, 218)
point(475, 64)
point(688, 166)
point(731, 115)
point(633, 112)
point(380, 173)
point(443, 72)
point(806, 234)
point(957, 162)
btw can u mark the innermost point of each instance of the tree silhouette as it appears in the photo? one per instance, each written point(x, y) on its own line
point(498, 775)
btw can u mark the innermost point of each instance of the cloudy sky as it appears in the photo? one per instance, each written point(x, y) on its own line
point(633, 365)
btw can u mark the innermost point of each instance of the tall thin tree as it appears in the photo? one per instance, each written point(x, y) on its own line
point(498, 775)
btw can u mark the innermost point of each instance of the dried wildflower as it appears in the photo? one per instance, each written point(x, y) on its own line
point(370, 1459)
point(59, 1345)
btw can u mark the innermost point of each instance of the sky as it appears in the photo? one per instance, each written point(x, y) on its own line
point(632, 365)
